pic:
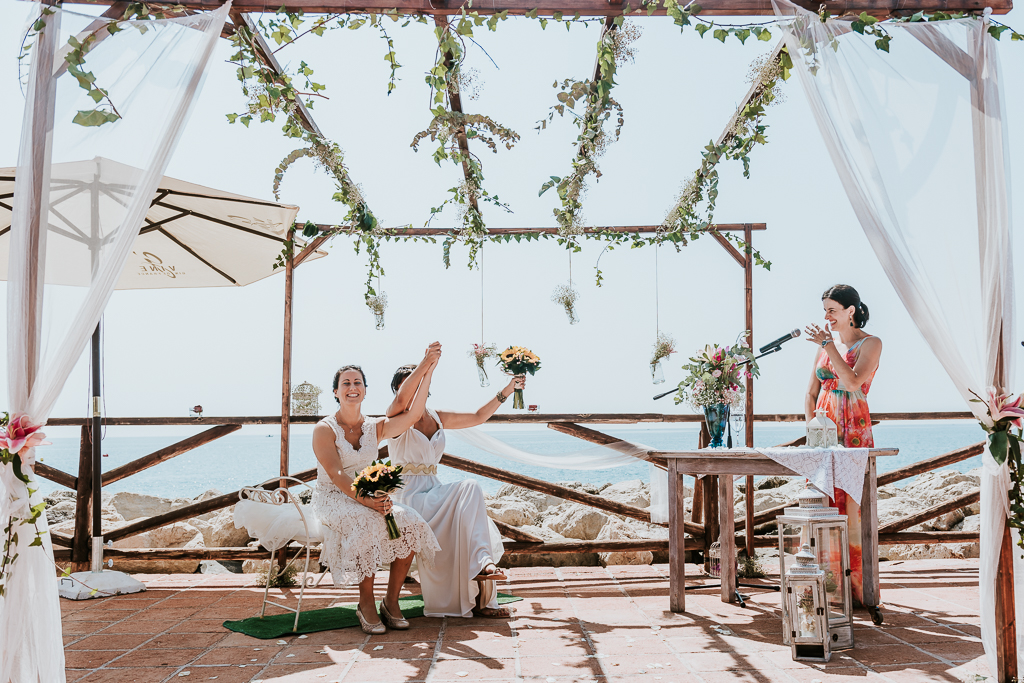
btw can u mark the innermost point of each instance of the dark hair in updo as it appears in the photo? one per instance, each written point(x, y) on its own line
point(847, 296)
point(345, 368)
point(401, 374)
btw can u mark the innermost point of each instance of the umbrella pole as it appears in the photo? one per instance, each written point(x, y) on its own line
point(97, 453)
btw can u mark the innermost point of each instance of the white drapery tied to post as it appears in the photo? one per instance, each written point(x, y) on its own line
point(154, 78)
point(912, 134)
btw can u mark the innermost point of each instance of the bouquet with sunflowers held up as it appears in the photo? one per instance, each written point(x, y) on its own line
point(518, 360)
point(381, 479)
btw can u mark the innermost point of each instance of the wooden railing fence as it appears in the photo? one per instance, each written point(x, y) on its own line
point(702, 527)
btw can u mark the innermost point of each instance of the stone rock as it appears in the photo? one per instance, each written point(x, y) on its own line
point(617, 529)
point(592, 489)
point(771, 483)
point(62, 511)
point(768, 498)
point(928, 490)
point(573, 520)
point(541, 501)
point(58, 497)
point(255, 566)
point(549, 559)
point(219, 531)
point(514, 512)
point(635, 492)
point(135, 505)
point(177, 535)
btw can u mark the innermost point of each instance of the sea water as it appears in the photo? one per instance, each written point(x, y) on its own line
point(246, 458)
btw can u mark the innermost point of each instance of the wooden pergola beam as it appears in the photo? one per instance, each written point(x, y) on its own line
point(596, 8)
point(624, 229)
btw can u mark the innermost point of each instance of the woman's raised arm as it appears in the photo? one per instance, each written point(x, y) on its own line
point(403, 399)
point(450, 420)
point(391, 427)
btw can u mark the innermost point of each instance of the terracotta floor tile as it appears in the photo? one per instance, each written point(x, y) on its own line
point(193, 640)
point(559, 666)
point(134, 625)
point(89, 659)
point(783, 659)
point(840, 675)
point(697, 644)
point(745, 676)
point(474, 628)
point(569, 631)
point(930, 634)
point(134, 675)
point(940, 673)
point(82, 628)
point(474, 669)
point(107, 615)
point(341, 636)
point(631, 646)
point(422, 651)
point(301, 673)
point(390, 670)
point(412, 635)
point(110, 641)
point(570, 645)
point(220, 674)
point(125, 602)
point(239, 655)
point(875, 636)
point(957, 651)
point(72, 675)
point(199, 626)
point(159, 657)
point(882, 655)
point(494, 648)
point(337, 654)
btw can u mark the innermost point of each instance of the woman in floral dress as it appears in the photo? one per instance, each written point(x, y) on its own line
point(843, 369)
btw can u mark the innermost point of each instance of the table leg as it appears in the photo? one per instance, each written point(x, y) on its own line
point(727, 537)
point(676, 539)
point(869, 536)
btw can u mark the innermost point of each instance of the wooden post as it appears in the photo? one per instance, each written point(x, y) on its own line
point(1006, 613)
point(728, 538)
point(869, 536)
point(83, 509)
point(748, 288)
point(286, 362)
point(677, 539)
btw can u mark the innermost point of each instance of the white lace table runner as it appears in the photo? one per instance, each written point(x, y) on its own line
point(827, 468)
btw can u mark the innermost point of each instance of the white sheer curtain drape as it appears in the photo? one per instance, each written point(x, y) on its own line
point(918, 137)
point(153, 71)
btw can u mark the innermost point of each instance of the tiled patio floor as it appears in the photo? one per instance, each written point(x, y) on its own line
point(586, 624)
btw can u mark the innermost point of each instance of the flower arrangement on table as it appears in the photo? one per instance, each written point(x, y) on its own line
point(714, 383)
point(380, 479)
point(18, 437)
point(480, 353)
point(1004, 445)
point(518, 360)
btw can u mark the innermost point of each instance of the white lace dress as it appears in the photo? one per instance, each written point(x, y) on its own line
point(457, 514)
point(356, 539)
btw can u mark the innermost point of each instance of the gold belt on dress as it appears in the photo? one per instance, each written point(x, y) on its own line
point(417, 470)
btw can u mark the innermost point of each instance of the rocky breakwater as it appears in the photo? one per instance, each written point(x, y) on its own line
point(212, 530)
point(556, 520)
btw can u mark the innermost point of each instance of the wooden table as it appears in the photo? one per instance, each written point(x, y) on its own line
point(744, 461)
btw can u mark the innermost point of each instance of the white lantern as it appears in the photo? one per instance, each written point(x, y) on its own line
point(821, 431)
point(825, 531)
point(803, 601)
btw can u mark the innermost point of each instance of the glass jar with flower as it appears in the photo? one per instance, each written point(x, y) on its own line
point(715, 382)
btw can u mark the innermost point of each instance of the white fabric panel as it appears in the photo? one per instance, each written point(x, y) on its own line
point(154, 78)
point(597, 458)
point(275, 526)
point(918, 138)
point(827, 468)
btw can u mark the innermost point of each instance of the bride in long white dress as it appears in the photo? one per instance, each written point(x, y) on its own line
point(461, 582)
point(356, 539)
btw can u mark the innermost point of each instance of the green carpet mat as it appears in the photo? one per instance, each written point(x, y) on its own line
point(342, 616)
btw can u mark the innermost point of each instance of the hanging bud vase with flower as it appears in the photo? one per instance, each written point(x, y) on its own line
point(480, 353)
point(566, 297)
point(663, 347)
point(378, 303)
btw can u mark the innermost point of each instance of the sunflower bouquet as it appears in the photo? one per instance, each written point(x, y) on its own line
point(518, 360)
point(380, 479)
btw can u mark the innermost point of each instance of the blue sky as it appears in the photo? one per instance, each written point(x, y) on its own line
point(167, 350)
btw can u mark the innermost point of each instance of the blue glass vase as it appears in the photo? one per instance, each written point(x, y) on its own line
point(717, 418)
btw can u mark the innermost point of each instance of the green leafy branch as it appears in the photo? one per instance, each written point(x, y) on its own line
point(452, 129)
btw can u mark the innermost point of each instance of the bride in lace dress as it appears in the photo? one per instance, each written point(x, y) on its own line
point(356, 540)
point(461, 584)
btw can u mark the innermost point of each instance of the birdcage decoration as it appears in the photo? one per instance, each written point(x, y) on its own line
point(714, 563)
point(306, 399)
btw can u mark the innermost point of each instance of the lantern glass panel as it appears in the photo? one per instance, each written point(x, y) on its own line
point(807, 625)
point(830, 560)
point(793, 536)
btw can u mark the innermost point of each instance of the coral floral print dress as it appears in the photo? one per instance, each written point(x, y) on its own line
point(849, 410)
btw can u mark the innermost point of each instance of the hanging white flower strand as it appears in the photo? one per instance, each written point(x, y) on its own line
point(664, 344)
point(566, 297)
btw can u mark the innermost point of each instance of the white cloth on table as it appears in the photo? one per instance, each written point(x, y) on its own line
point(827, 468)
point(275, 526)
point(356, 539)
point(457, 514)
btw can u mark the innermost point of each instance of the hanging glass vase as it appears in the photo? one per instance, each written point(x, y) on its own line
point(716, 416)
point(482, 374)
point(657, 373)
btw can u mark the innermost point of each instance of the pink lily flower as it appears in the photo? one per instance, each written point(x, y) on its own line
point(1004, 406)
point(21, 434)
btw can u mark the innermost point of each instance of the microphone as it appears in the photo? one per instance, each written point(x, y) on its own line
point(780, 341)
